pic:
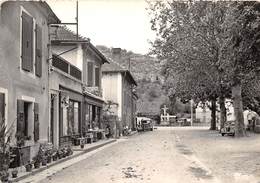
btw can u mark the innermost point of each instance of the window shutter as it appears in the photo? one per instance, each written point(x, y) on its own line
point(38, 51)
point(97, 76)
point(36, 122)
point(27, 42)
point(2, 107)
point(90, 73)
point(20, 117)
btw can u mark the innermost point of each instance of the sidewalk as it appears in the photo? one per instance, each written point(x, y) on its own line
point(56, 166)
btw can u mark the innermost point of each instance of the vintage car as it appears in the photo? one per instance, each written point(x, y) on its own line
point(184, 121)
point(229, 128)
point(144, 124)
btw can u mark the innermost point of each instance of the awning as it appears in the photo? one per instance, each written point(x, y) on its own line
point(94, 101)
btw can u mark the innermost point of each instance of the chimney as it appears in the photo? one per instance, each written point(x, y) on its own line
point(116, 54)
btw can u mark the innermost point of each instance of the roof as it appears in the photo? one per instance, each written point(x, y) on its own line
point(116, 67)
point(52, 18)
point(52, 15)
point(62, 34)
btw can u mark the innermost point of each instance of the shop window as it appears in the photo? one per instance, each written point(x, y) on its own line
point(76, 117)
point(71, 118)
point(90, 116)
point(36, 122)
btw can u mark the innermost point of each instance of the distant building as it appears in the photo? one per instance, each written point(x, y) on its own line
point(118, 86)
point(203, 113)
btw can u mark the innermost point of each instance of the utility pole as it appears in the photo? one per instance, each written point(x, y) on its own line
point(77, 19)
point(129, 64)
point(191, 111)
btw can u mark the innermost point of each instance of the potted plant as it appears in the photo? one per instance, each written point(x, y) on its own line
point(60, 153)
point(14, 173)
point(44, 160)
point(37, 161)
point(64, 149)
point(4, 176)
point(20, 139)
point(70, 151)
point(54, 154)
point(28, 167)
point(5, 138)
point(49, 158)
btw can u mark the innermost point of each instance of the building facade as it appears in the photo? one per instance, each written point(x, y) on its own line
point(75, 86)
point(24, 69)
point(118, 87)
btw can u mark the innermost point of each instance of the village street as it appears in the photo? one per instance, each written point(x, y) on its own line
point(170, 155)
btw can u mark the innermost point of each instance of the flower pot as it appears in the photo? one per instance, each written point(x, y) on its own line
point(70, 152)
point(5, 179)
point(4, 176)
point(14, 173)
point(54, 158)
point(28, 167)
point(49, 159)
point(44, 162)
point(37, 164)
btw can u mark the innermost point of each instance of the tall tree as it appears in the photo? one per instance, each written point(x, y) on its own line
point(189, 37)
point(240, 52)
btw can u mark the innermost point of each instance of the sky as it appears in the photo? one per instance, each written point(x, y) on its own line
point(113, 23)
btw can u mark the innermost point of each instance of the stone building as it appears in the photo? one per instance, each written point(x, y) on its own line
point(24, 90)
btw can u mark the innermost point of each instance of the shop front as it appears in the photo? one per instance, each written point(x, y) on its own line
point(70, 116)
point(92, 117)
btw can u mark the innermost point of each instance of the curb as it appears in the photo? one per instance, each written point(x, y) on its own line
point(133, 133)
point(36, 171)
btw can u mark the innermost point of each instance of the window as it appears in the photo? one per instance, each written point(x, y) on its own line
point(90, 74)
point(38, 51)
point(28, 49)
point(27, 42)
point(97, 78)
point(2, 107)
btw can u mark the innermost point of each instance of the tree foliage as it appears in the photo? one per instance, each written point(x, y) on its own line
point(208, 47)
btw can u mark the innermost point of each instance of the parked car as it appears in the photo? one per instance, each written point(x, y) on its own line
point(229, 128)
point(144, 124)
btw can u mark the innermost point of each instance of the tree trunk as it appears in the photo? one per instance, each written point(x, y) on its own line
point(238, 109)
point(223, 111)
point(213, 114)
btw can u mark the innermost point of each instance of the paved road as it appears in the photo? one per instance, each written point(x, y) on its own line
point(151, 157)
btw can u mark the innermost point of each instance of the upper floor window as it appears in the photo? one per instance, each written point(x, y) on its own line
point(31, 31)
point(97, 76)
point(90, 73)
point(93, 74)
point(27, 42)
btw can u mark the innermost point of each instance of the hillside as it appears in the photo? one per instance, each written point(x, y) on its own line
point(146, 71)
